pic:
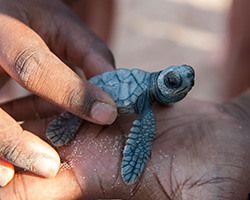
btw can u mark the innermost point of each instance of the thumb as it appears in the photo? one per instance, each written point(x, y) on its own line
point(24, 149)
point(36, 68)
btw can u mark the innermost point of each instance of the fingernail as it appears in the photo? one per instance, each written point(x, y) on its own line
point(46, 167)
point(104, 113)
point(6, 175)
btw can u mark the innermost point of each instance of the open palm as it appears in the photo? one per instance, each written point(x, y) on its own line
point(201, 152)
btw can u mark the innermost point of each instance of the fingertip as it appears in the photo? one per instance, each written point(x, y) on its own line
point(103, 109)
point(46, 167)
point(92, 104)
point(103, 113)
point(43, 159)
point(48, 164)
point(7, 172)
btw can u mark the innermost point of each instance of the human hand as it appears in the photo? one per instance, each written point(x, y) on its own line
point(201, 152)
point(35, 37)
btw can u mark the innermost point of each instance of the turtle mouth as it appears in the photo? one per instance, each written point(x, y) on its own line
point(185, 89)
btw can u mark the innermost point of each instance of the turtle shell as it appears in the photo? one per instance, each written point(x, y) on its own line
point(124, 86)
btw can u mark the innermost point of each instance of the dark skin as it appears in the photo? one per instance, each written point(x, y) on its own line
point(201, 151)
point(35, 37)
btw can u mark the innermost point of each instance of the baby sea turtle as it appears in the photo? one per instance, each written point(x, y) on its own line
point(134, 91)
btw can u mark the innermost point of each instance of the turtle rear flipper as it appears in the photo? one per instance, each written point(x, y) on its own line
point(138, 145)
point(62, 130)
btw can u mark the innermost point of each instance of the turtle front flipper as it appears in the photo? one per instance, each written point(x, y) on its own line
point(139, 145)
point(63, 129)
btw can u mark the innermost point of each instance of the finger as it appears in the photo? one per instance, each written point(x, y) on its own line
point(25, 150)
point(31, 107)
point(6, 172)
point(26, 186)
point(26, 58)
point(74, 42)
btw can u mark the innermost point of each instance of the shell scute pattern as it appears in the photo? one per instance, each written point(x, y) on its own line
point(123, 75)
point(139, 75)
point(125, 94)
point(124, 86)
point(107, 77)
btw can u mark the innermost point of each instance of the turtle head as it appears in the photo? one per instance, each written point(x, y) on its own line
point(174, 83)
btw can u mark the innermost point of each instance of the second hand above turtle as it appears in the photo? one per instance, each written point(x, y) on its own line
point(134, 91)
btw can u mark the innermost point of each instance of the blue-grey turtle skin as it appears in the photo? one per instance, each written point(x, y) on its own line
point(134, 91)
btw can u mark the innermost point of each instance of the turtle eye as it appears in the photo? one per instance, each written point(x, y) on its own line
point(172, 80)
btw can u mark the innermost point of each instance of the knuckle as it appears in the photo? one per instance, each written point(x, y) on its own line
point(19, 153)
point(10, 152)
point(26, 65)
